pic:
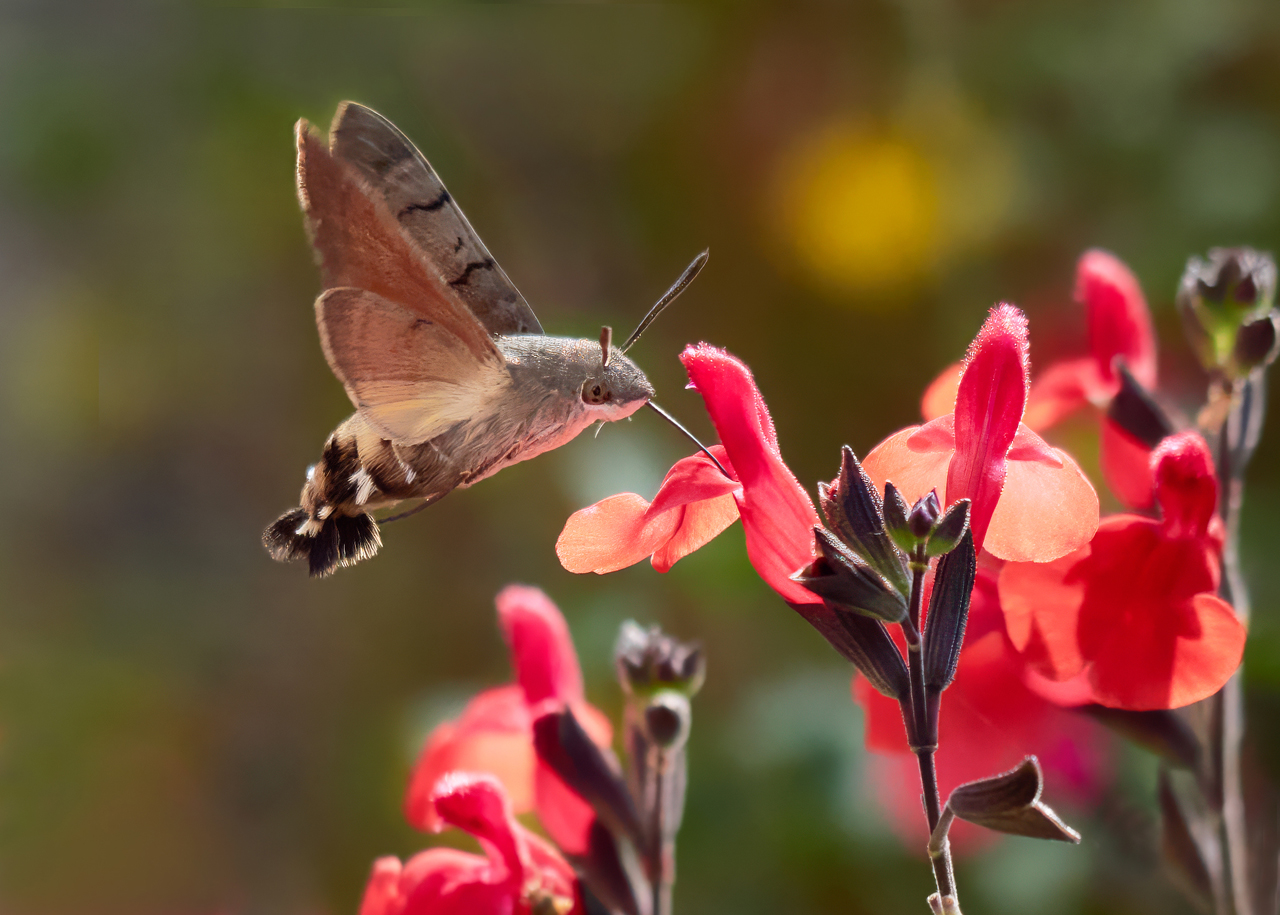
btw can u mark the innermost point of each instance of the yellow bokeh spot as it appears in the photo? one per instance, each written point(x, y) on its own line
point(860, 210)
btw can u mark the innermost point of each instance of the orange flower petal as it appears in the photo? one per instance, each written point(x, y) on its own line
point(1044, 512)
point(699, 523)
point(613, 534)
point(1041, 604)
point(913, 472)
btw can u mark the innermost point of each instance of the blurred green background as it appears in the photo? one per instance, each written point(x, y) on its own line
point(188, 727)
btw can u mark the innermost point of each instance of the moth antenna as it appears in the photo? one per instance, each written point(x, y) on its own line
point(693, 438)
point(680, 285)
point(606, 341)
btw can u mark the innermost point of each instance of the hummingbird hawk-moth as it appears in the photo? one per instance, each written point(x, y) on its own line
point(448, 368)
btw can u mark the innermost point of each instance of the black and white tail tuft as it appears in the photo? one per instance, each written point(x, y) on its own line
point(338, 540)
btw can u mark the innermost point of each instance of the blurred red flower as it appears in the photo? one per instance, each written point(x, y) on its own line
point(520, 873)
point(990, 720)
point(778, 516)
point(494, 733)
point(1030, 502)
point(1137, 607)
point(1119, 327)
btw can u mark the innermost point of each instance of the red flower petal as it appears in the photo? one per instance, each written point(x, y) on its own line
point(542, 651)
point(1041, 603)
point(777, 515)
point(478, 805)
point(989, 405)
point(382, 892)
point(439, 880)
point(1170, 659)
point(1119, 322)
point(1126, 465)
point(492, 735)
point(694, 479)
point(940, 397)
point(1134, 606)
point(565, 816)
point(1044, 512)
point(1186, 484)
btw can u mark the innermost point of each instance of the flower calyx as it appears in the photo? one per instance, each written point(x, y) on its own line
point(846, 582)
point(1226, 306)
point(924, 531)
point(649, 661)
point(856, 514)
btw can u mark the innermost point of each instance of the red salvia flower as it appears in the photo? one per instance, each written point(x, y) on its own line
point(1119, 327)
point(693, 504)
point(1137, 607)
point(520, 873)
point(990, 721)
point(494, 734)
point(1030, 502)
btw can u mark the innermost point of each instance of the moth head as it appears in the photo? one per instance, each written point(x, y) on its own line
point(617, 387)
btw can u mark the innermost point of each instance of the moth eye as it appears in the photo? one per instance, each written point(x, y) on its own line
point(596, 393)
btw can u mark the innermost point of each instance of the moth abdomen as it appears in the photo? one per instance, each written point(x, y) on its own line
point(332, 527)
point(338, 540)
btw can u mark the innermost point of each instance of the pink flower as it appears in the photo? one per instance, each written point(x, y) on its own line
point(494, 734)
point(1030, 502)
point(1136, 610)
point(520, 874)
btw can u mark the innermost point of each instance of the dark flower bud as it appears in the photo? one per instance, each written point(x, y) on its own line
point(1256, 343)
point(1218, 297)
point(864, 642)
point(949, 529)
point(949, 613)
point(854, 513)
point(667, 720)
point(589, 771)
point(648, 660)
point(896, 513)
point(1136, 412)
point(1161, 731)
point(840, 578)
point(1010, 802)
point(603, 867)
point(924, 515)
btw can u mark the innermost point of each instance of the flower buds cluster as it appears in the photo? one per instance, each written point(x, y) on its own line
point(659, 675)
point(1226, 303)
point(924, 527)
point(863, 573)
